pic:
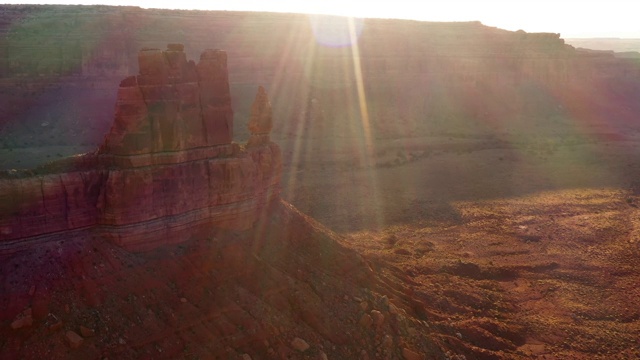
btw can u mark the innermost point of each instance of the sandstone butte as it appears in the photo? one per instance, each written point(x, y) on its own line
point(167, 166)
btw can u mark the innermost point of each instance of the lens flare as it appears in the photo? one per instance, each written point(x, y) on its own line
point(334, 31)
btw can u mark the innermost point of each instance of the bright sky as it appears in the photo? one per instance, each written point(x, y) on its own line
point(570, 18)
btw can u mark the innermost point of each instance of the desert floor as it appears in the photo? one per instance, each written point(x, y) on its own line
point(534, 244)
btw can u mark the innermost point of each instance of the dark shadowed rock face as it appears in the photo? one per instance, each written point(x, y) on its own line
point(173, 104)
point(167, 167)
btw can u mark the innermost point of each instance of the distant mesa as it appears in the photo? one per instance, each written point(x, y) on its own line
point(410, 70)
point(167, 167)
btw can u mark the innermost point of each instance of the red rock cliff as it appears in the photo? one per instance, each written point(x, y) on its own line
point(167, 166)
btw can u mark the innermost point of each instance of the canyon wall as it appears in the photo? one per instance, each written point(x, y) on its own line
point(58, 64)
point(167, 167)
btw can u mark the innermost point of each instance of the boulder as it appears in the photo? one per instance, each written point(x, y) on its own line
point(73, 339)
point(300, 344)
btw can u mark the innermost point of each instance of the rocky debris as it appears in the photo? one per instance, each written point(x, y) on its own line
point(87, 332)
point(387, 341)
point(364, 355)
point(412, 331)
point(378, 317)
point(261, 119)
point(366, 321)
point(24, 319)
point(299, 344)
point(411, 355)
point(56, 326)
point(73, 339)
point(393, 310)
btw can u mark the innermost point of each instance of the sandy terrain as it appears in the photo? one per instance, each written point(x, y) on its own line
point(528, 249)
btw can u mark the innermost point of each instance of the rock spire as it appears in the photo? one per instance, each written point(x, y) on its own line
point(261, 120)
point(173, 104)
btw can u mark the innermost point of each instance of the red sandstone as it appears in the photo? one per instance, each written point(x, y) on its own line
point(167, 166)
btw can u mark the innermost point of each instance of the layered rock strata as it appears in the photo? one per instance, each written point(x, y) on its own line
point(167, 166)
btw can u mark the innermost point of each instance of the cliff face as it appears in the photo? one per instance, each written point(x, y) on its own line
point(417, 72)
point(167, 166)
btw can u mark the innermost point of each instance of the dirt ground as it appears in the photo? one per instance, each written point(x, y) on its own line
point(557, 271)
point(529, 248)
